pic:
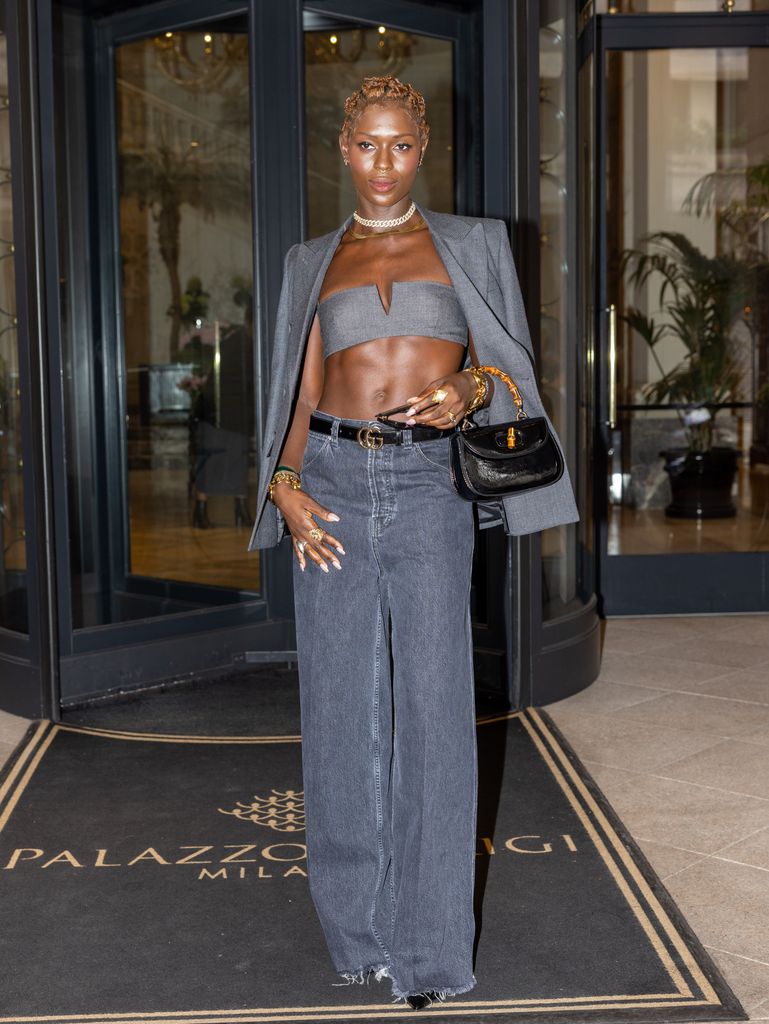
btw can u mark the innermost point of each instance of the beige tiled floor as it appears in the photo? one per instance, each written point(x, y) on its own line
point(676, 733)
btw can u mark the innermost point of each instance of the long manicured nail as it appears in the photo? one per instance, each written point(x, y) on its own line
point(324, 567)
point(411, 411)
point(336, 565)
point(411, 422)
point(341, 550)
point(333, 517)
point(301, 566)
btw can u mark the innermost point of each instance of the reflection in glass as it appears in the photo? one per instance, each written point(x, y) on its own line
point(677, 6)
point(13, 562)
point(561, 588)
point(338, 55)
point(586, 357)
point(688, 270)
point(187, 300)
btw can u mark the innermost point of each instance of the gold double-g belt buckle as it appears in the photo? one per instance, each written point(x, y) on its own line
point(370, 437)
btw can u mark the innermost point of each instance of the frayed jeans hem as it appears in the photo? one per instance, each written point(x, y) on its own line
point(363, 974)
point(439, 994)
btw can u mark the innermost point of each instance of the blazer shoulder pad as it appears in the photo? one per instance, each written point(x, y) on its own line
point(457, 218)
point(455, 225)
point(322, 241)
point(290, 258)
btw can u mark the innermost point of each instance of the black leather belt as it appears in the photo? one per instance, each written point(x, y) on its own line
point(373, 436)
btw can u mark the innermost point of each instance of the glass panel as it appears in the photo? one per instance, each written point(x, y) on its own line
point(585, 378)
point(688, 166)
point(187, 303)
point(561, 590)
point(13, 560)
point(338, 55)
point(677, 6)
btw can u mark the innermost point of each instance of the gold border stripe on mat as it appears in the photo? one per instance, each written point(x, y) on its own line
point(23, 755)
point(172, 737)
point(169, 737)
point(488, 719)
point(673, 934)
point(183, 1016)
point(161, 737)
point(24, 780)
point(332, 1013)
point(657, 944)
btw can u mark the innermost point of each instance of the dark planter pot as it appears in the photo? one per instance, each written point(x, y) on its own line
point(701, 483)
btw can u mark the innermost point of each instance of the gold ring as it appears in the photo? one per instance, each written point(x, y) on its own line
point(439, 395)
point(316, 533)
point(451, 415)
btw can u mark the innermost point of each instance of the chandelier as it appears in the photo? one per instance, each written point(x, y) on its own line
point(347, 46)
point(204, 61)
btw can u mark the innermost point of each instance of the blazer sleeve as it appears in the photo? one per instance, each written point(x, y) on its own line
point(269, 526)
point(281, 322)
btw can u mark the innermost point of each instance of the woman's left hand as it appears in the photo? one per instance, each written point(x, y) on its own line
point(460, 391)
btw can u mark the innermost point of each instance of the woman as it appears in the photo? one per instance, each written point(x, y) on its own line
point(396, 306)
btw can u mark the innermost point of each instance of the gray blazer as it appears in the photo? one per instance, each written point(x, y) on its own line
point(477, 256)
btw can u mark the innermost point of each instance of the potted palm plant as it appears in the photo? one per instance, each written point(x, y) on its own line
point(701, 299)
point(737, 198)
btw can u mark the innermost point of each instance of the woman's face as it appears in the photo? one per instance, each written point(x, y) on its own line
point(384, 153)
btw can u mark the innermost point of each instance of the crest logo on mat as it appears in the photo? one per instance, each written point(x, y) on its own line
point(282, 811)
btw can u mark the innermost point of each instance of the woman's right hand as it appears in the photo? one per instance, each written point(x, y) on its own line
point(298, 510)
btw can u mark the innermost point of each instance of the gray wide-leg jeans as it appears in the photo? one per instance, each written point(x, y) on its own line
point(387, 709)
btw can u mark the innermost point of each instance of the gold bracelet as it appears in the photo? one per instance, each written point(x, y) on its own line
point(481, 388)
point(284, 476)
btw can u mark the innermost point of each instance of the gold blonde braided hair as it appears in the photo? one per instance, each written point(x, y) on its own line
point(386, 89)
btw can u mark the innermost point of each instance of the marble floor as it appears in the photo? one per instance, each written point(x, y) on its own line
point(676, 733)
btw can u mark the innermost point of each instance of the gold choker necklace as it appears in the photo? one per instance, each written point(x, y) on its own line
point(418, 226)
point(393, 222)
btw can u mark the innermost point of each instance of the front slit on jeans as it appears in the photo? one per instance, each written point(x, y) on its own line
point(390, 811)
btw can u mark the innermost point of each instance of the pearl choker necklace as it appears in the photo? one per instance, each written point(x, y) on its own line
point(392, 223)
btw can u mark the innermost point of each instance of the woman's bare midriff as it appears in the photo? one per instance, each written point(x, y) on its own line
point(361, 381)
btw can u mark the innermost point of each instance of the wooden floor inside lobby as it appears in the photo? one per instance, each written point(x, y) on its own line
point(676, 733)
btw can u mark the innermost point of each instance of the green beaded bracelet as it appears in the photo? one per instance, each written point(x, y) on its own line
point(289, 468)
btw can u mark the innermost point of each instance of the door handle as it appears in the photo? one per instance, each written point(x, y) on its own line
point(612, 368)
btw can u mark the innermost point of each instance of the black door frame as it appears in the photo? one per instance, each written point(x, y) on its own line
point(133, 652)
point(518, 656)
point(29, 662)
point(136, 651)
point(659, 584)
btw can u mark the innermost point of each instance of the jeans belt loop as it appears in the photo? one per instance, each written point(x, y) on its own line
point(335, 431)
point(406, 433)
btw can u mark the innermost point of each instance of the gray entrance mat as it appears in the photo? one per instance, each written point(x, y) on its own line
point(159, 877)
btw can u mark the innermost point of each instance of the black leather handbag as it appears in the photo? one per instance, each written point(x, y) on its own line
point(504, 458)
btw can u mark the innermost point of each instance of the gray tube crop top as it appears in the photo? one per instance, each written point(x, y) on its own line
point(423, 308)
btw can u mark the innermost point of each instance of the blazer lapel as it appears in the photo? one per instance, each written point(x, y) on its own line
point(465, 255)
point(312, 262)
point(462, 247)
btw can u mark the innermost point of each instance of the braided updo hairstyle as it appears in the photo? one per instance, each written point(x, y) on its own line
point(385, 89)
